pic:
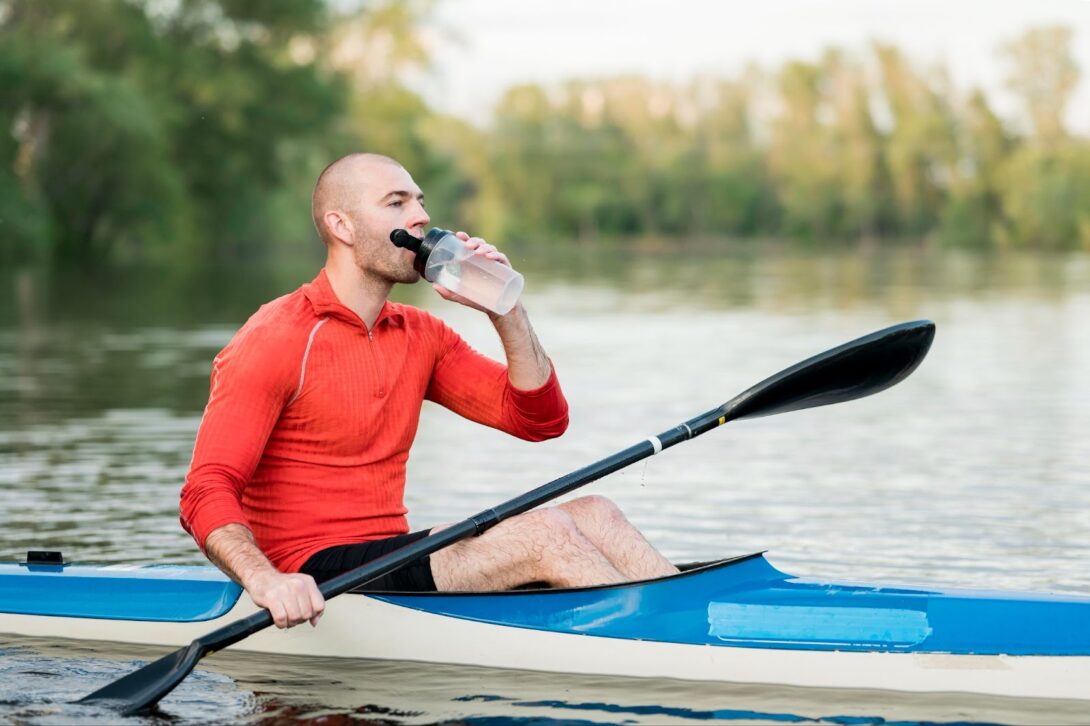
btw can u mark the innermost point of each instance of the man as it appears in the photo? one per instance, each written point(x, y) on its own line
point(298, 470)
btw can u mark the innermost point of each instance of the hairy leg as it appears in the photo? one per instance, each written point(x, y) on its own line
point(604, 524)
point(544, 545)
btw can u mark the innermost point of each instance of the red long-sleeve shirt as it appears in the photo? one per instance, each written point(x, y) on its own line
point(310, 418)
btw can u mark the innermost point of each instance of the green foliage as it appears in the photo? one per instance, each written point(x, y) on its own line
point(1043, 73)
point(1046, 197)
point(615, 158)
point(24, 222)
point(188, 130)
point(88, 154)
point(972, 215)
point(151, 135)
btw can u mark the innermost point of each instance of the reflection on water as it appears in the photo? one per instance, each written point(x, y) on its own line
point(256, 689)
point(975, 471)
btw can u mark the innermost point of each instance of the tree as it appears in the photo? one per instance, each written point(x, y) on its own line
point(859, 147)
point(90, 156)
point(922, 149)
point(973, 213)
point(1043, 73)
point(1045, 185)
point(143, 125)
point(802, 154)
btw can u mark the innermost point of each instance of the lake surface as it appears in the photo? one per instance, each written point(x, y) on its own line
point(973, 472)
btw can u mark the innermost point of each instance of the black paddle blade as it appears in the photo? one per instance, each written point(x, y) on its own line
point(860, 368)
point(143, 688)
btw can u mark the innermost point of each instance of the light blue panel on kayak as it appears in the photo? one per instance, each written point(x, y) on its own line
point(811, 624)
point(162, 593)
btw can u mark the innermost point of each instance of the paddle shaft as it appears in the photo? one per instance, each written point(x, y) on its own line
point(855, 369)
point(475, 525)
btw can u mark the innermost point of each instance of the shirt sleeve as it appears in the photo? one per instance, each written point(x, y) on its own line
point(249, 388)
point(477, 387)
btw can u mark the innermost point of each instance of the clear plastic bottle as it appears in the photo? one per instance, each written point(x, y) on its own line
point(442, 258)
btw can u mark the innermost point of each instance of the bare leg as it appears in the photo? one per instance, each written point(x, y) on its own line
point(604, 524)
point(587, 541)
point(540, 546)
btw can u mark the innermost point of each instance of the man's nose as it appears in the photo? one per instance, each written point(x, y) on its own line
point(420, 217)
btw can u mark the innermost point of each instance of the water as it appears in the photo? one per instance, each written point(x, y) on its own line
point(486, 282)
point(973, 472)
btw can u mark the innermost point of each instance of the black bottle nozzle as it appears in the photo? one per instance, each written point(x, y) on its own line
point(422, 247)
point(402, 238)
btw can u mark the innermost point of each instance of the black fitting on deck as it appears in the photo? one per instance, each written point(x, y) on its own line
point(44, 557)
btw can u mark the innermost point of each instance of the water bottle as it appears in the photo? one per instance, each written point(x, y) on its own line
point(442, 258)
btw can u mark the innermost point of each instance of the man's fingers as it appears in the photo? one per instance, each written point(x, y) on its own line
point(291, 599)
point(279, 614)
point(300, 599)
point(302, 608)
point(317, 603)
point(294, 610)
point(480, 247)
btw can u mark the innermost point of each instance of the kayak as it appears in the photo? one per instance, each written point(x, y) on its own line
point(738, 620)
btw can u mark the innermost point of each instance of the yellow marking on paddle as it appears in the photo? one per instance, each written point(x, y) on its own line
point(722, 420)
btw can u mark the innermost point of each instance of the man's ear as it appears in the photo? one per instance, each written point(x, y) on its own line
point(339, 226)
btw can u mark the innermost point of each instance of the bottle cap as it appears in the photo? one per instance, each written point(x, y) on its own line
point(422, 247)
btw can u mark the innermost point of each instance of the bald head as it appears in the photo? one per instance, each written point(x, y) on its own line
point(341, 185)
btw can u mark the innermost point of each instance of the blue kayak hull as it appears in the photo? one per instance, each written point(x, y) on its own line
point(739, 621)
point(747, 602)
point(743, 602)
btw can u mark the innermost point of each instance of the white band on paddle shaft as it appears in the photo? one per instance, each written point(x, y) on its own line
point(655, 444)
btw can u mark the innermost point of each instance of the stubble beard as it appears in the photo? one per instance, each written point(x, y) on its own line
point(385, 261)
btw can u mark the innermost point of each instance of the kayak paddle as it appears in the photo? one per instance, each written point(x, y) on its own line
point(856, 369)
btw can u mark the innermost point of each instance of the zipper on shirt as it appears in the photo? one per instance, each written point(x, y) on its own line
point(380, 388)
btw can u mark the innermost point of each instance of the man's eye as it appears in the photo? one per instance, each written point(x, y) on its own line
point(396, 203)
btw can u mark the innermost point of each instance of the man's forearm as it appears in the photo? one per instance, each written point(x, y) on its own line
point(232, 549)
point(290, 598)
point(527, 365)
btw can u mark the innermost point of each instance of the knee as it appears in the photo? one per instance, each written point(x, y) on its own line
point(553, 526)
point(596, 509)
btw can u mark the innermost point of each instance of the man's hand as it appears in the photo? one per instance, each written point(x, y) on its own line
point(479, 247)
point(291, 599)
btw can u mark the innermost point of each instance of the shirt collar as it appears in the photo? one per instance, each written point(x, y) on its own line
point(325, 302)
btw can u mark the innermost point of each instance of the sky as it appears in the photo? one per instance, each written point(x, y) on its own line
point(485, 46)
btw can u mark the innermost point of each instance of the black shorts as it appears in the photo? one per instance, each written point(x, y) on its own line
point(413, 577)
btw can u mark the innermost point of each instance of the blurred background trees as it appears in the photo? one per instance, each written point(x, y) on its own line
point(185, 131)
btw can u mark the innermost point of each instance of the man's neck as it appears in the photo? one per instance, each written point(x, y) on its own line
point(358, 291)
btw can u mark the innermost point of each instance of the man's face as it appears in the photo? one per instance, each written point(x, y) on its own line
point(389, 200)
